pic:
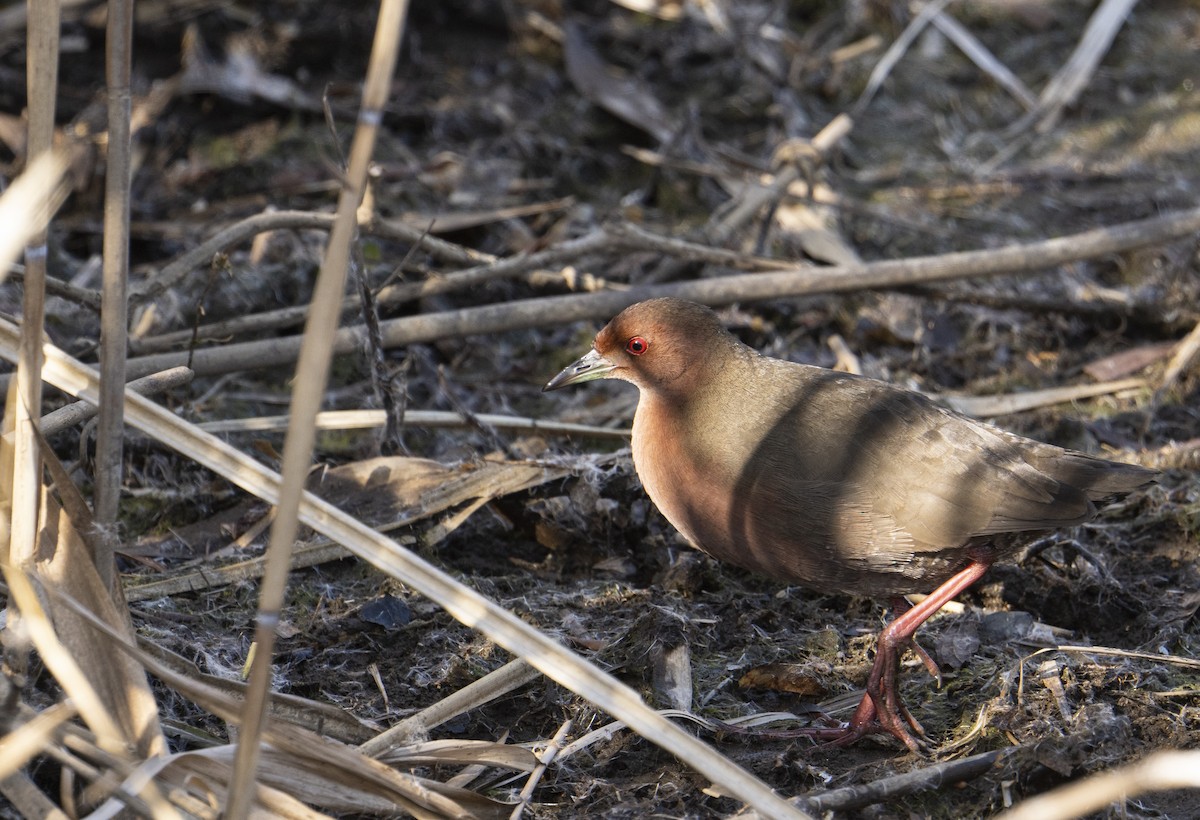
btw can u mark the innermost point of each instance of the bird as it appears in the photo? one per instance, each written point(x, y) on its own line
point(834, 481)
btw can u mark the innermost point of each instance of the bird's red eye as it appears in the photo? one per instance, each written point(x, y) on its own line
point(636, 346)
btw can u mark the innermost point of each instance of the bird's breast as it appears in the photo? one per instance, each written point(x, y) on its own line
point(684, 482)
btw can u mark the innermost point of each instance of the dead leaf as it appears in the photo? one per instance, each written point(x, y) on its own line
point(784, 677)
point(65, 564)
point(622, 96)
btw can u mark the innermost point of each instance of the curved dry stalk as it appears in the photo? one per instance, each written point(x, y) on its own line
point(173, 272)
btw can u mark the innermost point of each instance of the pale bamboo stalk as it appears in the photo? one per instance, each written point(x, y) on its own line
point(312, 370)
point(1160, 771)
point(42, 83)
point(114, 312)
point(24, 484)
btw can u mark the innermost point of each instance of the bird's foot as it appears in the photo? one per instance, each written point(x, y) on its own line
point(882, 705)
point(926, 660)
point(885, 713)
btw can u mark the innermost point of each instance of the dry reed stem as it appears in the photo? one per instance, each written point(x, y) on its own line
point(495, 684)
point(114, 307)
point(1158, 772)
point(312, 371)
point(42, 42)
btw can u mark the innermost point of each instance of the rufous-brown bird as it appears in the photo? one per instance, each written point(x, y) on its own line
point(837, 482)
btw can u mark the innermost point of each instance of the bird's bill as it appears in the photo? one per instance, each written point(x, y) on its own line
point(587, 368)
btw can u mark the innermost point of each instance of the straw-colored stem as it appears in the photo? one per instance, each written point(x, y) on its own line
point(42, 74)
point(113, 310)
point(312, 371)
point(25, 407)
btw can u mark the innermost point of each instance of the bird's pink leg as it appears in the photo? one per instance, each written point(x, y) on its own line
point(900, 605)
point(881, 707)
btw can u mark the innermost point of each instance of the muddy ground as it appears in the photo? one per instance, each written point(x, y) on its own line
point(485, 115)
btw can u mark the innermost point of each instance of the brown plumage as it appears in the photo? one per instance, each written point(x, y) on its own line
point(837, 482)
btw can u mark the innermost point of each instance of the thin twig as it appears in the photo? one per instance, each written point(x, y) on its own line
point(77, 412)
point(937, 776)
point(490, 270)
point(1003, 405)
point(495, 684)
point(544, 760)
point(978, 53)
point(509, 268)
point(895, 52)
point(369, 419)
point(202, 254)
point(56, 287)
point(1176, 660)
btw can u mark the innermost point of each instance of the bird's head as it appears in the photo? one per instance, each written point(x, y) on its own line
point(660, 345)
